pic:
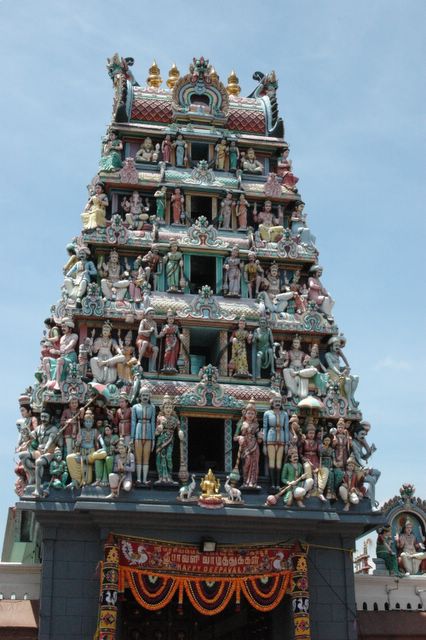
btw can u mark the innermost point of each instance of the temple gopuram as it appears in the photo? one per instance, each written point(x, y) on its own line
point(192, 461)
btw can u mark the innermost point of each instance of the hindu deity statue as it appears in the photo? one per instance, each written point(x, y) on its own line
point(361, 451)
point(318, 294)
point(70, 423)
point(160, 203)
point(146, 151)
point(136, 211)
point(122, 418)
point(167, 425)
point(240, 340)
point(79, 276)
point(180, 147)
point(249, 163)
point(56, 368)
point(264, 348)
point(288, 179)
point(166, 149)
point(107, 354)
point(173, 261)
point(310, 453)
point(232, 273)
point(113, 284)
point(386, 551)
point(341, 444)
point(38, 457)
point(177, 201)
point(351, 489)
point(226, 207)
point(94, 214)
point(234, 156)
point(210, 485)
point(143, 434)
point(104, 455)
point(412, 550)
point(276, 436)
point(146, 341)
point(172, 342)
point(221, 153)
point(248, 452)
point(348, 383)
point(326, 485)
point(241, 212)
point(272, 282)
point(296, 371)
point(295, 480)
point(58, 471)
point(299, 227)
point(296, 436)
point(80, 463)
point(72, 257)
point(111, 153)
point(270, 229)
point(51, 338)
point(253, 275)
point(124, 368)
point(300, 292)
point(153, 263)
point(123, 468)
point(138, 278)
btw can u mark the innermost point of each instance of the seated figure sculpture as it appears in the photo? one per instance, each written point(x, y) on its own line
point(107, 354)
point(411, 550)
point(113, 284)
point(78, 277)
point(249, 163)
point(56, 367)
point(270, 229)
point(319, 294)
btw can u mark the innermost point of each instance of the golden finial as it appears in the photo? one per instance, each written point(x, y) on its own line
point(233, 87)
point(154, 79)
point(174, 74)
point(213, 74)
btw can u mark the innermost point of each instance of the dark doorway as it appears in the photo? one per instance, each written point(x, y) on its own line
point(206, 445)
point(204, 348)
point(201, 206)
point(170, 624)
point(203, 271)
point(199, 151)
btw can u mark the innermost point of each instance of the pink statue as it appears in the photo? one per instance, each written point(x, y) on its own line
point(129, 173)
point(242, 209)
point(272, 188)
point(289, 180)
point(170, 333)
point(177, 201)
point(249, 440)
point(56, 368)
point(166, 149)
point(319, 294)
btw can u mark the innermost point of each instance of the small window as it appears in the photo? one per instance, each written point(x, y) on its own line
point(199, 151)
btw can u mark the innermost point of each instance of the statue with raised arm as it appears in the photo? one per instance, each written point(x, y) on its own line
point(361, 451)
point(114, 283)
point(348, 383)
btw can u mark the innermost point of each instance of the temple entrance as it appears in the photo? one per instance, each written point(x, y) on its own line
point(136, 623)
point(206, 445)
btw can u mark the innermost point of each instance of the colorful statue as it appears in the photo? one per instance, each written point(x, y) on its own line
point(411, 550)
point(107, 354)
point(58, 471)
point(269, 228)
point(122, 418)
point(174, 268)
point(111, 153)
point(249, 439)
point(298, 226)
point(264, 348)
point(240, 340)
point(221, 153)
point(56, 368)
point(351, 489)
point(79, 276)
point(253, 275)
point(51, 339)
point(234, 156)
point(310, 452)
point(210, 485)
point(70, 424)
point(129, 173)
point(146, 341)
point(272, 188)
point(295, 481)
point(241, 212)
point(296, 373)
point(348, 383)
point(153, 262)
point(166, 149)
point(94, 214)
point(232, 276)
point(136, 212)
point(249, 164)
point(318, 294)
point(40, 454)
point(124, 368)
point(276, 436)
point(138, 278)
point(146, 151)
point(361, 451)
point(80, 463)
point(114, 286)
point(326, 479)
point(104, 456)
point(226, 208)
point(167, 424)
point(123, 468)
point(160, 203)
point(180, 148)
point(143, 434)
point(300, 292)
point(385, 550)
point(172, 339)
point(177, 201)
point(341, 444)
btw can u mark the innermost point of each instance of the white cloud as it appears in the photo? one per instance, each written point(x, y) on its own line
point(393, 364)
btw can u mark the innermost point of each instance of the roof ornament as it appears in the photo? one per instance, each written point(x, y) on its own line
point(174, 75)
point(154, 79)
point(233, 88)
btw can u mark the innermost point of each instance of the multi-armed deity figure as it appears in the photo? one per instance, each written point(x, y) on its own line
point(143, 434)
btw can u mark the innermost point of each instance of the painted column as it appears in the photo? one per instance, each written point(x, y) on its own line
point(299, 591)
point(183, 467)
point(228, 445)
point(109, 592)
point(185, 367)
point(219, 275)
point(223, 343)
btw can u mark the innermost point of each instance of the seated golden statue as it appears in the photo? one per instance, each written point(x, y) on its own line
point(210, 485)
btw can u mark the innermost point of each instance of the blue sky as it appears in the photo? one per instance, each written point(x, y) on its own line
point(352, 94)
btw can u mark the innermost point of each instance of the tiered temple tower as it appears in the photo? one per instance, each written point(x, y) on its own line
point(194, 342)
